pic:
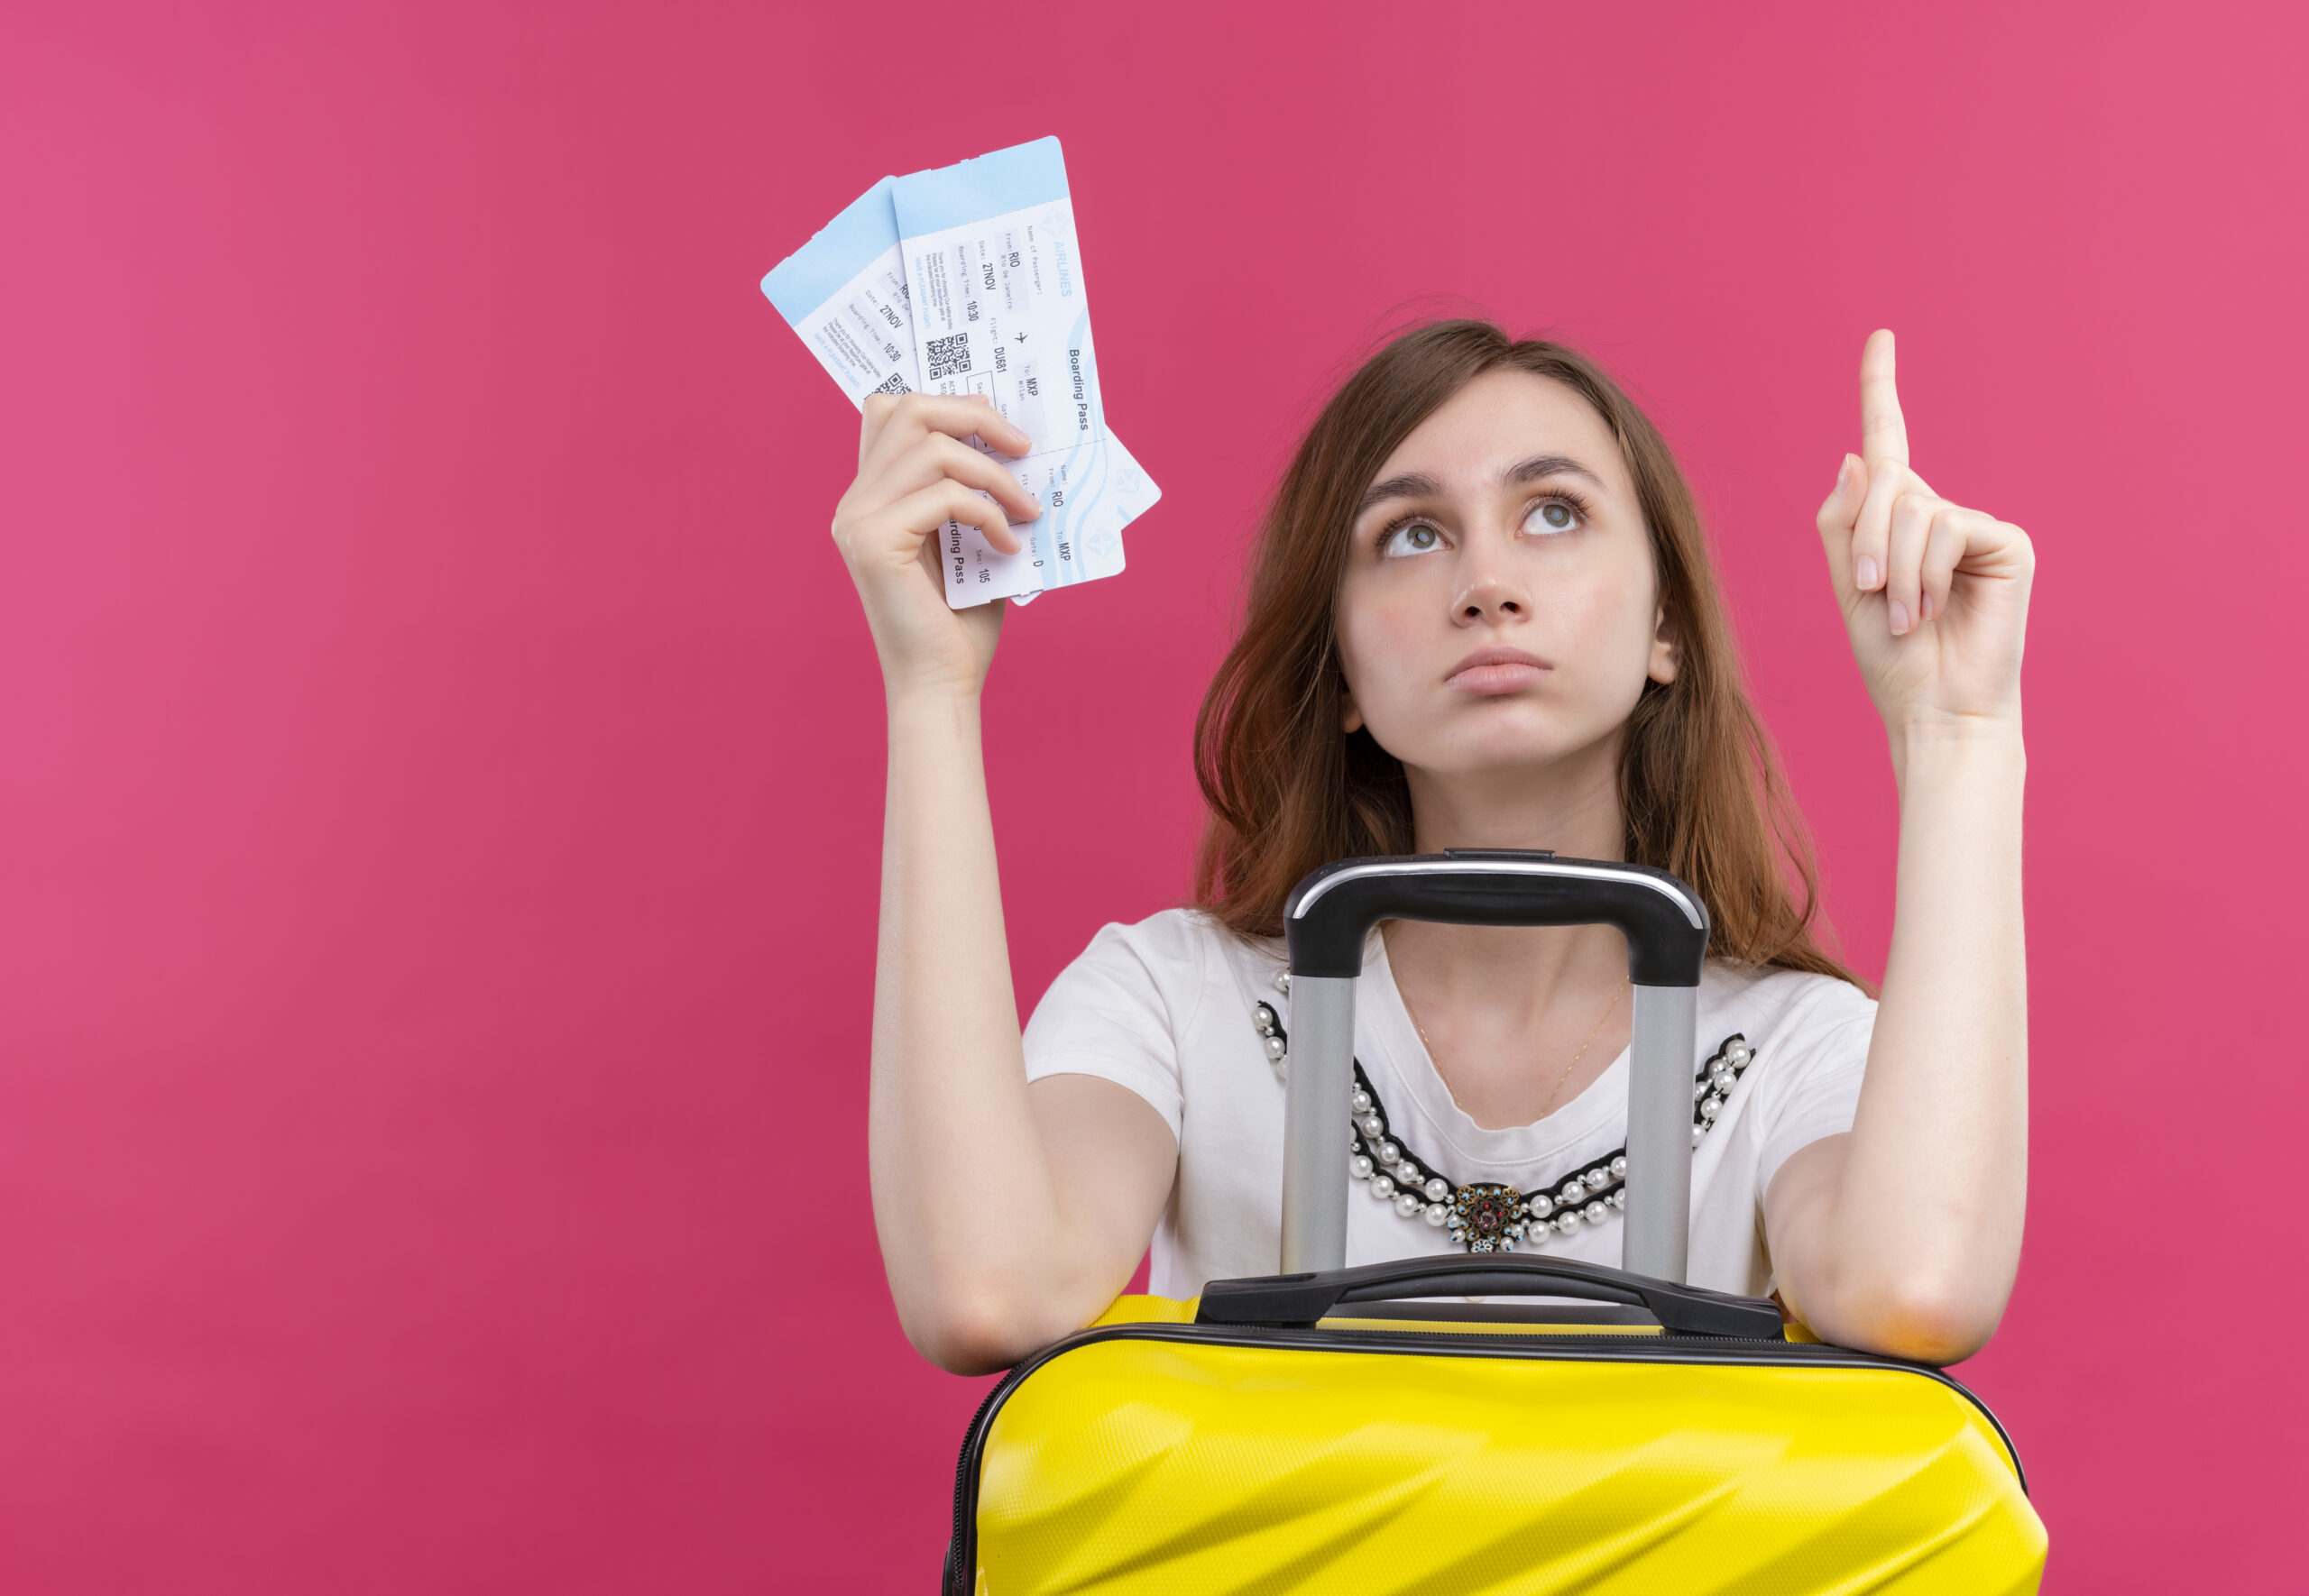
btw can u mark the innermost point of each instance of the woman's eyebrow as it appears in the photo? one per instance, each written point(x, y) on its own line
point(1548, 465)
point(1418, 484)
point(1412, 484)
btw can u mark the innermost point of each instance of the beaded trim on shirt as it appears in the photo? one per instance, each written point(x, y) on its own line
point(1484, 1216)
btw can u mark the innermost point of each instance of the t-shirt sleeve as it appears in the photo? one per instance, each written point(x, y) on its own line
point(1118, 1011)
point(1813, 1086)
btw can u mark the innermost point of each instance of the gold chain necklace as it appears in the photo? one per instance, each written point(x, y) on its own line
point(1547, 1107)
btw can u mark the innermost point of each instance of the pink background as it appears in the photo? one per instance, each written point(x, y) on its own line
point(442, 757)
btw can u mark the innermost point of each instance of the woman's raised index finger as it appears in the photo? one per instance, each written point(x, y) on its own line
point(1884, 431)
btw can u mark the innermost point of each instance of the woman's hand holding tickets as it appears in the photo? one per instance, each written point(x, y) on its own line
point(914, 474)
point(1936, 596)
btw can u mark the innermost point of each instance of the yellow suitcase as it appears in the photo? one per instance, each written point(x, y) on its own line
point(1327, 1430)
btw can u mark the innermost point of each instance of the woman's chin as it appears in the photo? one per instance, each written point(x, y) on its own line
point(1495, 761)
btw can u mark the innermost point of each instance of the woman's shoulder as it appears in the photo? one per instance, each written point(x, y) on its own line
point(1184, 937)
point(1784, 1006)
point(1138, 993)
point(1177, 952)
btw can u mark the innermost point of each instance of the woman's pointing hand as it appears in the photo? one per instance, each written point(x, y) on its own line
point(1935, 596)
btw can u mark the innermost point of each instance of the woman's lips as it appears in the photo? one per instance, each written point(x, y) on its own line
point(1488, 672)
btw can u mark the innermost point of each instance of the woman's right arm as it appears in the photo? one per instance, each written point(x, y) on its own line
point(1009, 1215)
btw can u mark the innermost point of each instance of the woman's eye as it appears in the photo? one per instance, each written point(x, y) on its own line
point(1554, 515)
point(1417, 538)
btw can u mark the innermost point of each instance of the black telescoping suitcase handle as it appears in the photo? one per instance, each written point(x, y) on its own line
point(1304, 1299)
point(1329, 915)
point(1332, 911)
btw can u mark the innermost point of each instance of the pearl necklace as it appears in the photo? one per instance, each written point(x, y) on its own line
point(1484, 1216)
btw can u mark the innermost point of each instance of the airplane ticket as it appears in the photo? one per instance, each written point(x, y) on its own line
point(847, 296)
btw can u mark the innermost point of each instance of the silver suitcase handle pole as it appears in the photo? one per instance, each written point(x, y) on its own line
point(1326, 922)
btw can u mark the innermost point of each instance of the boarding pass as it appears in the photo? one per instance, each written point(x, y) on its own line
point(968, 281)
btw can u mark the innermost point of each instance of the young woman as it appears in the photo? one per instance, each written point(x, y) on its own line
point(1481, 614)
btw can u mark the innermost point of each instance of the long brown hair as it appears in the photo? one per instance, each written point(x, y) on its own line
point(1699, 788)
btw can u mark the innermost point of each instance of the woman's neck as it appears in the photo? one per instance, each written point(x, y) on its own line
point(1505, 1013)
point(1588, 825)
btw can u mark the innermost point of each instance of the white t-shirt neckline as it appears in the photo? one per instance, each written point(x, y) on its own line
point(1422, 1098)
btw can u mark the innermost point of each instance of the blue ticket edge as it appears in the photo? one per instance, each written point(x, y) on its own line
point(919, 203)
point(990, 185)
point(866, 230)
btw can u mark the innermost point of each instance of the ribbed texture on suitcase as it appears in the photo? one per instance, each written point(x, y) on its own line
point(1132, 1465)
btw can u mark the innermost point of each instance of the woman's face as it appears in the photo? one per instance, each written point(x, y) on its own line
point(1499, 608)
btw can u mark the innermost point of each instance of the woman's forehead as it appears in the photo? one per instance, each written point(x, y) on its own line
point(1481, 434)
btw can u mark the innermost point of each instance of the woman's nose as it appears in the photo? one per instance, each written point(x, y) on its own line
point(1489, 587)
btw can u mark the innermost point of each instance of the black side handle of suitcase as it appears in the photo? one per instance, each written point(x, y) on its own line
point(1303, 1298)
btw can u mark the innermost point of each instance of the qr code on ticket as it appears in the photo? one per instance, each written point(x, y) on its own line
point(949, 356)
point(893, 383)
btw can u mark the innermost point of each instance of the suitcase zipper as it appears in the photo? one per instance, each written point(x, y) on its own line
point(954, 1580)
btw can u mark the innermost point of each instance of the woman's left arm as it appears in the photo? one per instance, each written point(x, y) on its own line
point(1903, 1235)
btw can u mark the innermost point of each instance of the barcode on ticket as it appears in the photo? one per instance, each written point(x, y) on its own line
point(949, 356)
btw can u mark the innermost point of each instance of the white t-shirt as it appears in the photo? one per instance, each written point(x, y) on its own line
point(1166, 1008)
